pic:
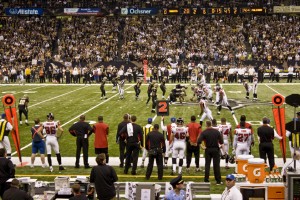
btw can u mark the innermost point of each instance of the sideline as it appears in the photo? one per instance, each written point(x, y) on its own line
point(75, 118)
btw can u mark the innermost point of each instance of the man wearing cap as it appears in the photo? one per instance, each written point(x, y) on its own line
point(231, 192)
point(266, 136)
point(155, 145)
point(23, 108)
point(5, 128)
point(177, 193)
point(15, 193)
point(146, 129)
point(167, 131)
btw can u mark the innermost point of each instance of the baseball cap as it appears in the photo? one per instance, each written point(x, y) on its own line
point(230, 177)
point(173, 119)
point(177, 180)
point(3, 115)
point(149, 120)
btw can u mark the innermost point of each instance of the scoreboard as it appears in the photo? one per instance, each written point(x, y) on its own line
point(214, 11)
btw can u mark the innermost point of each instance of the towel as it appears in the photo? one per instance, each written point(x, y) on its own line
point(129, 129)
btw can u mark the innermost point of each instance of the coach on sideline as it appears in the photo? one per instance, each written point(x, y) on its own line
point(213, 138)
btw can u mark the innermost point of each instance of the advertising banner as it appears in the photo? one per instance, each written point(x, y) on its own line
point(24, 11)
point(82, 11)
point(139, 11)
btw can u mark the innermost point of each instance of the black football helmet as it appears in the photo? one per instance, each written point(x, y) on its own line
point(50, 116)
point(231, 159)
point(180, 120)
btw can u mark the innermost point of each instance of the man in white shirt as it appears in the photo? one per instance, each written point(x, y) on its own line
point(290, 74)
point(251, 73)
point(231, 192)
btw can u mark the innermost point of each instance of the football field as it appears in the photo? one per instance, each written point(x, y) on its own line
point(68, 102)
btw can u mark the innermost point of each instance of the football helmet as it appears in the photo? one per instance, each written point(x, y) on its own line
point(50, 116)
point(180, 120)
point(231, 159)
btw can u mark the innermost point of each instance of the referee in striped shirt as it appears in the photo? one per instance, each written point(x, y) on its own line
point(146, 129)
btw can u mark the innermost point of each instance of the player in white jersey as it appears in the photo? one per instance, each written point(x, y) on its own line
point(50, 127)
point(254, 88)
point(120, 84)
point(178, 144)
point(242, 140)
point(221, 99)
point(168, 130)
point(204, 111)
point(225, 130)
point(208, 92)
point(248, 88)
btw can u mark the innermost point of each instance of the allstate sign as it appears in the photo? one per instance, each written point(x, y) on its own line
point(139, 11)
point(24, 11)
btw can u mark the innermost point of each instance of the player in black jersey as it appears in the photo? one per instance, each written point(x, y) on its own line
point(163, 86)
point(149, 90)
point(102, 84)
point(154, 97)
point(137, 89)
point(23, 108)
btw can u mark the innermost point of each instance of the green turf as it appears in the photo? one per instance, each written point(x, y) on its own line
point(69, 102)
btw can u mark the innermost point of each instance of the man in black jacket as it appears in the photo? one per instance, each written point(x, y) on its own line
point(82, 130)
point(104, 176)
point(15, 193)
point(213, 138)
point(120, 138)
point(7, 171)
point(155, 145)
point(134, 138)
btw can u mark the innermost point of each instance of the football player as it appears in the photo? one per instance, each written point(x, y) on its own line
point(225, 129)
point(50, 127)
point(248, 126)
point(163, 87)
point(242, 140)
point(120, 84)
point(168, 130)
point(248, 88)
point(204, 111)
point(23, 108)
point(179, 134)
point(149, 90)
point(137, 89)
point(221, 99)
point(102, 84)
point(154, 97)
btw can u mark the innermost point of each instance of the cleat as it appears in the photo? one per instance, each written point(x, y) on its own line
point(218, 113)
point(43, 165)
point(51, 169)
point(198, 169)
point(100, 98)
point(61, 168)
point(232, 112)
point(219, 183)
point(247, 97)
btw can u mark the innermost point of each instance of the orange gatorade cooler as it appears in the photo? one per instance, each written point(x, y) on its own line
point(242, 164)
point(256, 170)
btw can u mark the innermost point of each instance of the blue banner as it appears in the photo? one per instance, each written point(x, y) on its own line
point(82, 11)
point(24, 11)
point(139, 11)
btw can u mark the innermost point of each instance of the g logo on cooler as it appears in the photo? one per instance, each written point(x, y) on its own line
point(245, 168)
point(256, 172)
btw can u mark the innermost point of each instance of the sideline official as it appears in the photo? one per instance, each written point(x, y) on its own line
point(23, 108)
point(81, 130)
point(266, 136)
point(120, 139)
point(212, 138)
point(134, 137)
point(155, 145)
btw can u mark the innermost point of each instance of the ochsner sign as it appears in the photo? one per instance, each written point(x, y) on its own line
point(139, 11)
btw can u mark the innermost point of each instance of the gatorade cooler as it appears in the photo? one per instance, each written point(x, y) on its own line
point(256, 170)
point(242, 163)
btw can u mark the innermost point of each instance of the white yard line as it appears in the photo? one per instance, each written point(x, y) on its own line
point(272, 89)
point(27, 90)
point(76, 118)
point(57, 96)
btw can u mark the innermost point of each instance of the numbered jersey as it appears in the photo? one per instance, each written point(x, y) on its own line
point(243, 135)
point(225, 130)
point(50, 127)
point(180, 133)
